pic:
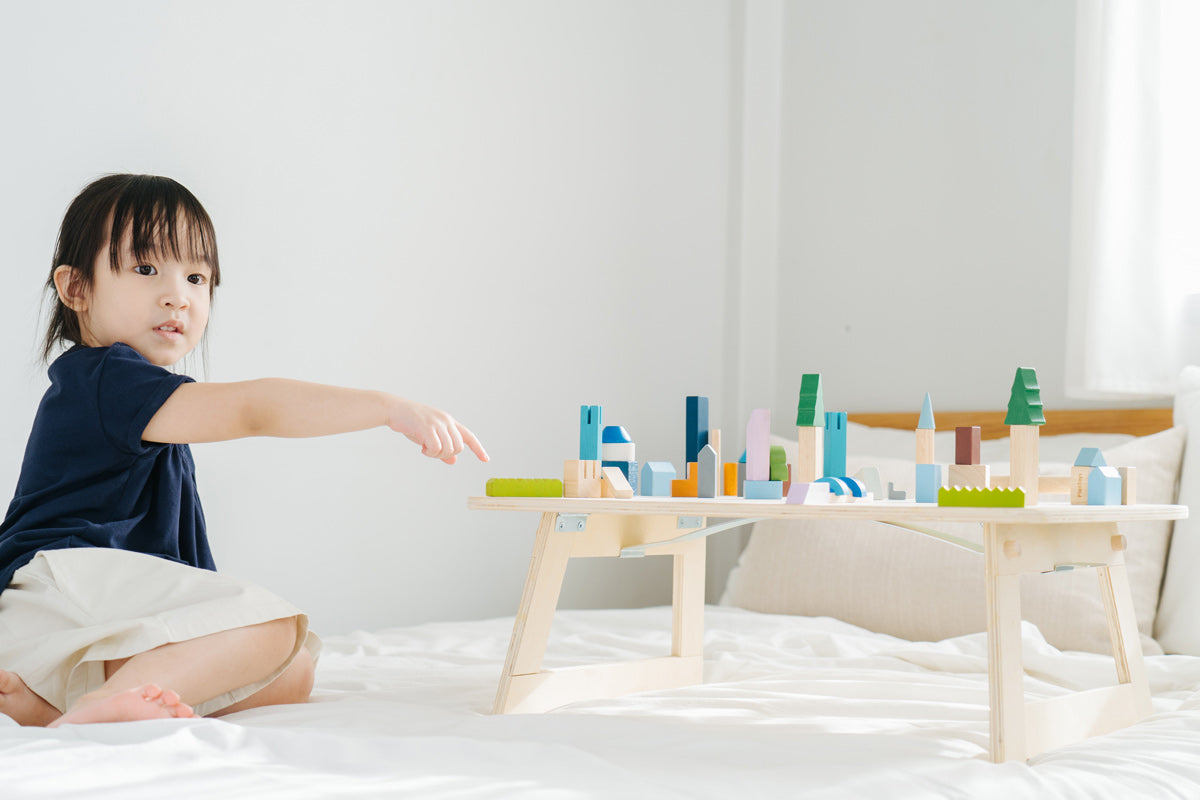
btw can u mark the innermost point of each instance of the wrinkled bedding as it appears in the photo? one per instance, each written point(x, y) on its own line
point(790, 707)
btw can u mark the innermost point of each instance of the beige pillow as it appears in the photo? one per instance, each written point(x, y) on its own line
point(901, 583)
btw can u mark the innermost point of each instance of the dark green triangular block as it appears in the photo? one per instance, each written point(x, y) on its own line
point(810, 411)
point(1025, 402)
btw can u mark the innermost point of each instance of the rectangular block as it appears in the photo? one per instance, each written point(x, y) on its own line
point(835, 444)
point(810, 463)
point(618, 451)
point(778, 463)
point(966, 445)
point(929, 480)
point(697, 427)
point(524, 487)
point(758, 445)
point(614, 484)
point(1104, 486)
point(970, 475)
point(1079, 485)
point(731, 479)
point(925, 445)
point(590, 432)
point(1128, 485)
point(764, 490)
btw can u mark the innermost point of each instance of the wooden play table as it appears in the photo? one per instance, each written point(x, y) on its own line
point(1016, 541)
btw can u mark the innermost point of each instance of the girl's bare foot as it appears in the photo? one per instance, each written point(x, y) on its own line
point(21, 703)
point(148, 702)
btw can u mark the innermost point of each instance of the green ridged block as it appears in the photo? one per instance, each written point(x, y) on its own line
point(524, 487)
point(810, 411)
point(778, 463)
point(970, 497)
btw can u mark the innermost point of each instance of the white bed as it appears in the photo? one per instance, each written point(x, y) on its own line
point(792, 705)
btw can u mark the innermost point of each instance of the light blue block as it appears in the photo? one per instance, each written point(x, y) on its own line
point(1104, 486)
point(656, 479)
point(1090, 457)
point(929, 480)
point(708, 473)
point(589, 433)
point(764, 490)
point(835, 443)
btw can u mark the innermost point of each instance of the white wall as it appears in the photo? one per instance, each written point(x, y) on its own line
point(504, 209)
point(512, 208)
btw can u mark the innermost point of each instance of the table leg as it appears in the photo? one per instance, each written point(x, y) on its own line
point(1006, 692)
point(687, 600)
point(526, 649)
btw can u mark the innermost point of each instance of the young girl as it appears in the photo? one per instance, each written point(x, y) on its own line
point(110, 608)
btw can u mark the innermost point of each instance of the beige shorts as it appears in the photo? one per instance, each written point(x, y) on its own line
point(68, 611)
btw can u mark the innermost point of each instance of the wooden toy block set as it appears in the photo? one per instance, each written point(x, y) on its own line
point(607, 465)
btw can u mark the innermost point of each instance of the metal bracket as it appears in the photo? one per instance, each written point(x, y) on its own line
point(691, 523)
point(639, 550)
point(570, 523)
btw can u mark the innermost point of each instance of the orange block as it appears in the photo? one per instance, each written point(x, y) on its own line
point(689, 487)
point(731, 478)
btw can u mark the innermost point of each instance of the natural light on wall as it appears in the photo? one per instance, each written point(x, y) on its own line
point(1133, 317)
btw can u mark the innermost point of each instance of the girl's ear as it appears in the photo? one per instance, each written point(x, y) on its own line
point(70, 288)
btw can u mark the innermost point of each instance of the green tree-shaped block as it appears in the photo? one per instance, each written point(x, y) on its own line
point(1025, 402)
point(810, 412)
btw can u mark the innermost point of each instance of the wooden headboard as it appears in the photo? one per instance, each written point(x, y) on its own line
point(1135, 421)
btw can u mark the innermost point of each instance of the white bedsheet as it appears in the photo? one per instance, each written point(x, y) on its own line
point(791, 707)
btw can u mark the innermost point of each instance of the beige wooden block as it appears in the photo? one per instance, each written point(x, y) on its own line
point(810, 463)
point(714, 439)
point(581, 479)
point(925, 446)
point(1128, 485)
point(969, 475)
point(614, 484)
point(1079, 485)
point(1023, 458)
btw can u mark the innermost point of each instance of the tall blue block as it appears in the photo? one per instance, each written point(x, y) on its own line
point(835, 443)
point(697, 427)
point(929, 480)
point(589, 433)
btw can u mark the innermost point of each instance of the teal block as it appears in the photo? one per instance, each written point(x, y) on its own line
point(835, 443)
point(696, 430)
point(589, 433)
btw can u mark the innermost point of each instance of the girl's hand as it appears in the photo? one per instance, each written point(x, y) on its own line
point(438, 433)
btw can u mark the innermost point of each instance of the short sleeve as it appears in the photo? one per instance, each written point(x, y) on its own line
point(130, 391)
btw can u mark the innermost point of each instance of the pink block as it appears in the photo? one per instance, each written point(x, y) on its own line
point(806, 494)
point(758, 445)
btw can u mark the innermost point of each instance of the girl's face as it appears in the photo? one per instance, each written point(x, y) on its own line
point(158, 306)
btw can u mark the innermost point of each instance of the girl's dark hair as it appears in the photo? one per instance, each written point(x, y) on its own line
point(163, 217)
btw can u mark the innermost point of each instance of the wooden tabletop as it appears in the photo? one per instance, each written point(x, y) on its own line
point(889, 510)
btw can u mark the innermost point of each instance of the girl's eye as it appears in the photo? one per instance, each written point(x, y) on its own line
point(197, 279)
point(145, 269)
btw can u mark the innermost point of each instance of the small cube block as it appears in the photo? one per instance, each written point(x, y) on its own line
point(1104, 487)
point(764, 490)
point(975, 476)
point(966, 445)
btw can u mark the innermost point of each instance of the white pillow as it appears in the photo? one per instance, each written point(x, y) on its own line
point(1178, 625)
point(902, 583)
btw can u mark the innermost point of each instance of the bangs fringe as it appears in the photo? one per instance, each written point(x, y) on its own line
point(163, 219)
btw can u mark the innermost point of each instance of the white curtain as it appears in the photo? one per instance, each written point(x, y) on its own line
point(1133, 315)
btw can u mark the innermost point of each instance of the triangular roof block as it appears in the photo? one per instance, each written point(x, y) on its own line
point(1090, 457)
point(1025, 402)
point(926, 421)
point(810, 412)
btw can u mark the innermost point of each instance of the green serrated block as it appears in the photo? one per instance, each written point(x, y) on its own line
point(964, 497)
point(524, 487)
point(1025, 402)
point(810, 411)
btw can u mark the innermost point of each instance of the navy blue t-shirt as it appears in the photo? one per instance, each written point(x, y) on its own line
point(88, 479)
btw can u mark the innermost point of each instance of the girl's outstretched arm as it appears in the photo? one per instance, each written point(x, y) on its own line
point(214, 412)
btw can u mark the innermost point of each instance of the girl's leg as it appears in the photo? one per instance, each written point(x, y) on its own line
point(293, 686)
point(196, 669)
